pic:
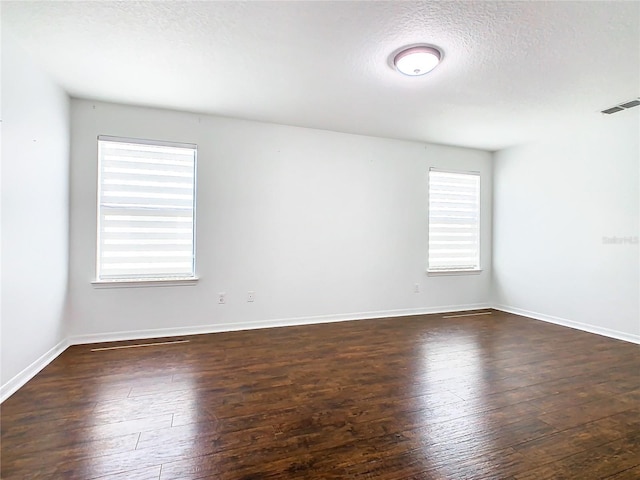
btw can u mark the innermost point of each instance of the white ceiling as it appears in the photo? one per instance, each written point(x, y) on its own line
point(511, 70)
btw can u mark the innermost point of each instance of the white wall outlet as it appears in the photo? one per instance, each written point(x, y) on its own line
point(222, 298)
point(251, 296)
point(416, 288)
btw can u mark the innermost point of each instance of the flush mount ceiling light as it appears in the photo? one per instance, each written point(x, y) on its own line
point(416, 61)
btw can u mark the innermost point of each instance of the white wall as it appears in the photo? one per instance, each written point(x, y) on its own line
point(321, 225)
point(554, 201)
point(35, 216)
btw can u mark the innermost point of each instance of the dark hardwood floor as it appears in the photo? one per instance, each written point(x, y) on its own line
point(476, 397)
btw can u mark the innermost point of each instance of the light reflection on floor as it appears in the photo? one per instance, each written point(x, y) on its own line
point(453, 368)
point(155, 398)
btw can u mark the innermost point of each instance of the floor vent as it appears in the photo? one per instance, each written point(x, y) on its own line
point(466, 314)
point(622, 106)
point(138, 345)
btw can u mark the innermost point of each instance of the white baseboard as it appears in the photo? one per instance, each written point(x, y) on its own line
point(585, 327)
point(9, 388)
point(28, 373)
point(272, 323)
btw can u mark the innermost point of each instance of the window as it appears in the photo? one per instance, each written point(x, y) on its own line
point(454, 221)
point(146, 210)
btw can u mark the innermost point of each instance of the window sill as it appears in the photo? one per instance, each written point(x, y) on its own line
point(438, 273)
point(146, 282)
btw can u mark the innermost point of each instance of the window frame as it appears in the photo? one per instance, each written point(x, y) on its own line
point(144, 281)
point(452, 270)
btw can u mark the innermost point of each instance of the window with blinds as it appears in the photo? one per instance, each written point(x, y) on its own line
point(146, 210)
point(454, 221)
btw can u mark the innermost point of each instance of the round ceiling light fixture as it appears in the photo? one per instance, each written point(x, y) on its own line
point(418, 60)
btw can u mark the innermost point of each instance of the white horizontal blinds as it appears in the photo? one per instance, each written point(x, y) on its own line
point(454, 221)
point(146, 210)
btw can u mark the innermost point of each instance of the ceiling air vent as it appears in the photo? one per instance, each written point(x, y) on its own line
point(613, 110)
point(632, 103)
point(622, 106)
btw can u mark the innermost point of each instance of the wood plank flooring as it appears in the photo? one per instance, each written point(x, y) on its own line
point(479, 397)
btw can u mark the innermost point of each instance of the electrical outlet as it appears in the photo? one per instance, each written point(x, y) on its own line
point(251, 296)
point(416, 288)
point(222, 298)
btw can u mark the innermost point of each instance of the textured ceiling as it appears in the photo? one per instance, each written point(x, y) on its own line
point(511, 70)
